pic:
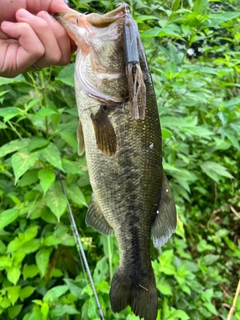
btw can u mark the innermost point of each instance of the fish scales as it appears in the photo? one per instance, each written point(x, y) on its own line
point(131, 196)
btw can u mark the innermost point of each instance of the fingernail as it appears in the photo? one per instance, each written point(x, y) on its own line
point(24, 14)
point(6, 24)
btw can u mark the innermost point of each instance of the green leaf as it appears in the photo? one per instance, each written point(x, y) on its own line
point(160, 32)
point(142, 18)
point(26, 292)
point(18, 257)
point(210, 259)
point(14, 311)
point(5, 262)
point(71, 167)
point(204, 246)
point(233, 139)
point(47, 178)
point(52, 155)
point(42, 259)
point(30, 271)
point(3, 247)
point(68, 241)
point(179, 314)
point(100, 270)
point(22, 161)
point(166, 134)
point(70, 139)
point(48, 216)
point(45, 309)
point(166, 265)
point(219, 18)
point(13, 146)
point(132, 317)
point(210, 307)
point(60, 309)
point(200, 6)
point(74, 289)
point(44, 112)
point(36, 315)
point(32, 103)
point(30, 177)
point(23, 239)
point(17, 79)
point(52, 241)
point(13, 274)
point(9, 113)
point(37, 143)
point(31, 246)
point(215, 170)
point(164, 287)
point(207, 295)
point(66, 75)
point(2, 126)
point(8, 216)
point(5, 303)
point(13, 293)
point(76, 195)
point(3, 93)
point(180, 231)
point(55, 293)
point(56, 200)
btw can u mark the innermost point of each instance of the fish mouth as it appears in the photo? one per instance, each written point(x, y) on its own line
point(94, 19)
point(84, 29)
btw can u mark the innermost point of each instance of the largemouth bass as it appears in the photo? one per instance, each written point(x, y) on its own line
point(119, 130)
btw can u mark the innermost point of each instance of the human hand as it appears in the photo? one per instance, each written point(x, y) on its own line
point(27, 39)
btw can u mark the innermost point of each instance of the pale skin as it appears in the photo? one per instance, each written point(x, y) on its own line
point(30, 35)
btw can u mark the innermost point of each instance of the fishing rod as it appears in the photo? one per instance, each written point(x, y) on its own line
point(80, 247)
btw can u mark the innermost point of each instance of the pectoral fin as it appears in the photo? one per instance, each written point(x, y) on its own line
point(104, 132)
point(80, 138)
point(96, 219)
point(165, 221)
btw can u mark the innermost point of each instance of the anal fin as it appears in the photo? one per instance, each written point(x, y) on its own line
point(165, 221)
point(104, 132)
point(96, 219)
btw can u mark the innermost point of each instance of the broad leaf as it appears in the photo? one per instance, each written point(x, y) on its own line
point(13, 274)
point(214, 170)
point(76, 195)
point(9, 113)
point(55, 293)
point(13, 293)
point(8, 216)
point(44, 112)
point(37, 143)
point(22, 161)
point(52, 155)
point(56, 200)
point(66, 75)
point(47, 178)
point(42, 259)
point(13, 146)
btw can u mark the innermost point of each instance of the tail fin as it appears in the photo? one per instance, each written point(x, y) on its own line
point(142, 297)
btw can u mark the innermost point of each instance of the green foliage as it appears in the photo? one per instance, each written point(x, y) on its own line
point(197, 271)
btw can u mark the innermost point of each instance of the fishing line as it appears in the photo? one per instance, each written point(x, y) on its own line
point(80, 247)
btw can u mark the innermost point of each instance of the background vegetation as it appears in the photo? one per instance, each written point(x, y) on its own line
point(193, 48)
